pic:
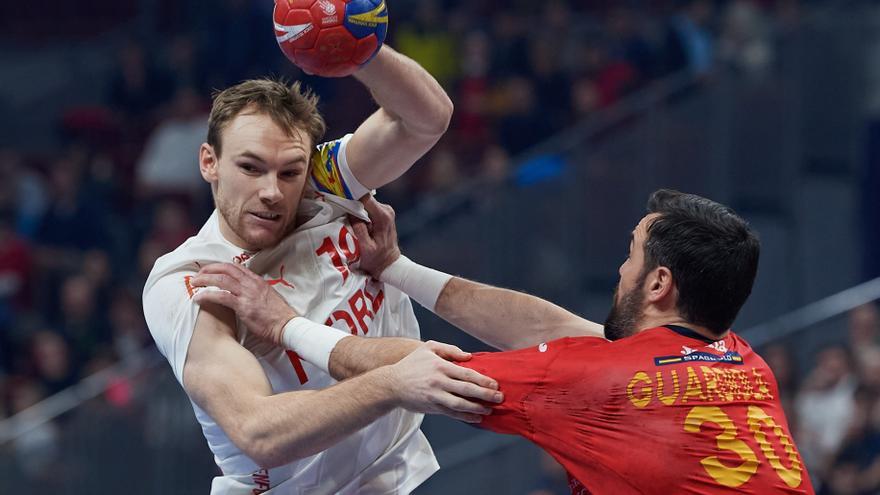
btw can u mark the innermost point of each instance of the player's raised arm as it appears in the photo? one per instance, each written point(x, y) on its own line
point(415, 112)
point(502, 318)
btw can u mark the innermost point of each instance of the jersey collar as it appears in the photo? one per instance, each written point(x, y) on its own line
point(687, 332)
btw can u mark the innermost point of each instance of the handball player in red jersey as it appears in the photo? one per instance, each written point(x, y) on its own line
point(671, 401)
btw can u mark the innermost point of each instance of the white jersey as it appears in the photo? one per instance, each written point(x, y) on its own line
point(312, 269)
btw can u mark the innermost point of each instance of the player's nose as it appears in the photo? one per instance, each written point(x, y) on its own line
point(269, 190)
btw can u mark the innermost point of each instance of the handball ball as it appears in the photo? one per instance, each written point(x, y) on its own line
point(330, 38)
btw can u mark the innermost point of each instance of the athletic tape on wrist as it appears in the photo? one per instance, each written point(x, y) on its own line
point(421, 283)
point(311, 341)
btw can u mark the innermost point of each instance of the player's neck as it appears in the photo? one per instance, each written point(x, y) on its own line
point(659, 320)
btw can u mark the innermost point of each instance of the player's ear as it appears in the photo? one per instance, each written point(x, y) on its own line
point(659, 284)
point(208, 163)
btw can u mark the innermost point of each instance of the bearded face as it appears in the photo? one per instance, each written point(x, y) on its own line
point(628, 307)
point(626, 312)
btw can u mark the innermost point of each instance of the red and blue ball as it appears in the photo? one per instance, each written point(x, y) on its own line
point(330, 38)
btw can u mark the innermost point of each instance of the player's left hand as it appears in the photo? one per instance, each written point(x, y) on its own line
point(428, 381)
point(254, 301)
point(378, 239)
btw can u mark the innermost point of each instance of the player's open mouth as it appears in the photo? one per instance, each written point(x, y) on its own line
point(266, 216)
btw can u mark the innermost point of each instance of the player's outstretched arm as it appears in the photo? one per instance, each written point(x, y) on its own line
point(226, 380)
point(268, 316)
point(506, 319)
point(502, 318)
point(415, 112)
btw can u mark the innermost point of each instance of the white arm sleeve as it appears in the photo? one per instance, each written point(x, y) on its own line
point(419, 282)
point(313, 342)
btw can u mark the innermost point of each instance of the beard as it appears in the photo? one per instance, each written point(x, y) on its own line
point(234, 216)
point(625, 313)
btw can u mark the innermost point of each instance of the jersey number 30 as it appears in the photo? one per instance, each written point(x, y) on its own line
point(726, 440)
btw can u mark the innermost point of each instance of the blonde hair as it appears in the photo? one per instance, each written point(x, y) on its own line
point(290, 106)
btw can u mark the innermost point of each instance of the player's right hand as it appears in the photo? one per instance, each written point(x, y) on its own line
point(377, 240)
point(254, 301)
point(428, 381)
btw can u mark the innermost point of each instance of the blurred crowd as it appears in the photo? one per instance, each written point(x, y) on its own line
point(833, 406)
point(81, 226)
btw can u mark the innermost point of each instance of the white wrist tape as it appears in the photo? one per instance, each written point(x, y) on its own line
point(419, 282)
point(311, 341)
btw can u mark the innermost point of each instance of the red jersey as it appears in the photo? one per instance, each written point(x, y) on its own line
point(664, 411)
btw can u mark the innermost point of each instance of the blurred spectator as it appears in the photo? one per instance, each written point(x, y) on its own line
point(612, 78)
point(185, 67)
point(509, 44)
point(171, 224)
point(471, 120)
point(864, 331)
point(16, 270)
point(237, 43)
point(425, 38)
point(560, 33)
point(825, 408)
point(689, 43)
point(73, 224)
point(843, 480)
point(81, 319)
point(495, 164)
point(129, 331)
point(24, 190)
point(745, 41)
point(169, 163)
point(585, 97)
point(137, 89)
point(628, 41)
point(105, 182)
point(443, 171)
point(74, 220)
point(148, 252)
point(53, 363)
point(96, 268)
point(779, 358)
point(856, 467)
point(787, 17)
point(549, 81)
point(523, 122)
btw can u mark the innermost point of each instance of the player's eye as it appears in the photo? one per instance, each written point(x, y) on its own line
point(290, 174)
point(248, 168)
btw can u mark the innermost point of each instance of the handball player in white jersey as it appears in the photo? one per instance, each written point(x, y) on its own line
point(276, 421)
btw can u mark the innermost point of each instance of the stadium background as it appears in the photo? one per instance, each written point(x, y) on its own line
point(568, 113)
